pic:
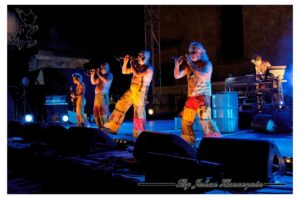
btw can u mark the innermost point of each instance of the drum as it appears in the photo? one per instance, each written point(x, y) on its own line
point(225, 111)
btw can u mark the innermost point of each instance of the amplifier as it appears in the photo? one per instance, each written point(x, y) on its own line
point(56, 107)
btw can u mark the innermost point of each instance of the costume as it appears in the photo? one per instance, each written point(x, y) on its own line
point(101, 110)
point(136, 95)
point(101, 101)
point(198, 102)
point(80, 104)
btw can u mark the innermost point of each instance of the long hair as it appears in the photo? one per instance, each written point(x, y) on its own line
point(256, 58)
point(108, 68)
point(77, 76)
point(204, 56)
point(147, 53)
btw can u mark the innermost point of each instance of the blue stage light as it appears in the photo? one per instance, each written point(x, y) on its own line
point(271, 126)
point(65, 118)
point(28, 118)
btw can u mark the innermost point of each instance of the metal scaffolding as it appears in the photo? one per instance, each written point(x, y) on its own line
point(152, 41)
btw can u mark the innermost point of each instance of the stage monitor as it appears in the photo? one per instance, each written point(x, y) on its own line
point(277, 71)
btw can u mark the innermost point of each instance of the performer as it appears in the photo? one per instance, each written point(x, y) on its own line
point(261, 67)
point(78, 95)
point(136, 95)
point(101, 101)
point(198, 70)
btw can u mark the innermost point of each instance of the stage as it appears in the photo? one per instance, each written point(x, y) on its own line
point(106, 170)
point(171, 69)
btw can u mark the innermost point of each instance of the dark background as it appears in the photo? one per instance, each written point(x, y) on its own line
point(231, 34)
point(94, 32)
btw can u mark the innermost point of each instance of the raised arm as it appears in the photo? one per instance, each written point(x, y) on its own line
point(204, 69)
point(93, 80)
point(177, 72)
point(105, 78)
point(126, 70)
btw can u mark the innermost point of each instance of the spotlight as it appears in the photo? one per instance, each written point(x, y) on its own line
point(65, 118)
point(150, 111)
point(28, 118)
point(288, 160)
point(271, 126)
point(281, 102)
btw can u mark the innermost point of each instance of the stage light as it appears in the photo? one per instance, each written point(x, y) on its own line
point(28, 118)
point(150, 111)
point(271, 126)
point(288, 160)
point(65, 118)
point(25, 81)
point(281, 103)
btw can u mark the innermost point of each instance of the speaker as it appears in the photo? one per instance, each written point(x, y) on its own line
point(57, 137)
point(176, 170)
point(28, 131)
point(278, 122)
point(163, 143)
point(77, 140)
point(244, 160)
point(167, 158)
point(55, 112)
point(82, 140)
point(263, 123)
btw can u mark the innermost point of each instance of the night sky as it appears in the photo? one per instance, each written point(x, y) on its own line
point(95, 28)
point(95, 32)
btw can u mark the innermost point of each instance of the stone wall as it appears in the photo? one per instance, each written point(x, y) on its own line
point(50, 59)
point(182, 24)
point(267, 30)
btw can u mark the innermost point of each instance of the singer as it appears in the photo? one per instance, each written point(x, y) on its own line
point(198, 70)
point(136, 95)
point(101, 101)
